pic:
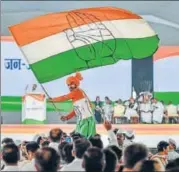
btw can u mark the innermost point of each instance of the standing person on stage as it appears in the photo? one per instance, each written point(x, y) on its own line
point(158, 111)
point(108, 110)
point(98, 110)
point(131, 109)
point(146, 110)
point(86, 125)
point(171, 111)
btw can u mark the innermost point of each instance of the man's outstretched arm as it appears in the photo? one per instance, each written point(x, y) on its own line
point(61, 98)
point(69, 116)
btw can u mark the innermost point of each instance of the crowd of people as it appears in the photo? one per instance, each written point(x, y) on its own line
point(59, 151)
point(143, 109)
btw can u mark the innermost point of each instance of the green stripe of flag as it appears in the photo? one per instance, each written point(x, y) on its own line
point(94, 55)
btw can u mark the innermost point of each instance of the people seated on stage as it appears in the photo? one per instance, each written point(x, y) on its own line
point(158, 111)
point(171, 111)
point(131, 109)
point(145, 109)
point(119, 110)
point(98, 110)
point(108, 110)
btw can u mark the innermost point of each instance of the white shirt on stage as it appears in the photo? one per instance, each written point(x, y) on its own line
point(146, 112)
point(158, 112)
point(130, 111)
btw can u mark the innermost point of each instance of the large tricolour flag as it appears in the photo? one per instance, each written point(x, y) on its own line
point(59, 44)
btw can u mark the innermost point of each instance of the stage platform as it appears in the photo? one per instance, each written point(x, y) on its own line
point(140, 129)
point(150, 134)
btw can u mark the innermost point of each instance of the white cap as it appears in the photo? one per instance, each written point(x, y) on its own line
point(171, 141)
point(17, 142)
point(130, 133)
point(121, 131)
point(35, 138)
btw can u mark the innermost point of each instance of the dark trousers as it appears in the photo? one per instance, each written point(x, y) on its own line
point(98, 117)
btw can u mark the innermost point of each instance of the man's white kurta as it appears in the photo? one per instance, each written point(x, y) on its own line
point(131, 111)
point(146, 114)
point(158, 112)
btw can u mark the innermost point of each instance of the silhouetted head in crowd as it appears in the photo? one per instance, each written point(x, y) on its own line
point(6, 141)
point(67, 152)
point(72, 133)
point(60, 148)
point(163, 147)
point(176, 169)
point(23, 149)
point(93, 160)
point(39, 140)
point(148, 166)
point(170, 165)
point(56, 135)
point(31, 149)
point(111, 160)
point(96, 142)
point(97, 135)
point(64, 136)
point(10, 154)
point(47, 160)
point(79, 147)
point(133, 154)
point(76, 136)
point(45, 144)
point(117, 151)
point(177, 161)
point(121, 168)
point(173, 164)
